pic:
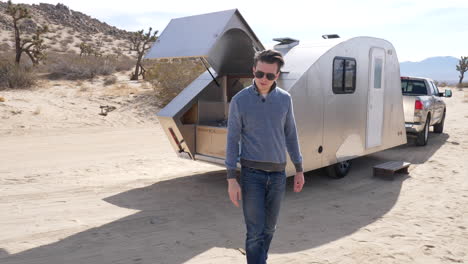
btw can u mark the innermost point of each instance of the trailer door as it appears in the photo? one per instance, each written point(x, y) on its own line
point(375, 104)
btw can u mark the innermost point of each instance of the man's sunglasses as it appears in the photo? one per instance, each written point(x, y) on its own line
point(269, 76)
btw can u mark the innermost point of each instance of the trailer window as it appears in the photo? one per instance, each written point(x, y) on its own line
point(378, 73)
point(344, 75)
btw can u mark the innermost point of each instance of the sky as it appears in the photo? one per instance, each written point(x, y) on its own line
point(418, 29)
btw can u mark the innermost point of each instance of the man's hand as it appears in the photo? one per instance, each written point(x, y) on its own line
point(298, 181)
point(234, 191)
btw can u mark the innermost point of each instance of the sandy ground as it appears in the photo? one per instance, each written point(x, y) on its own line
point(77, 187)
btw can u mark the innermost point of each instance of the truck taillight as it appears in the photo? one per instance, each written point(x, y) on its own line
point(418, 105)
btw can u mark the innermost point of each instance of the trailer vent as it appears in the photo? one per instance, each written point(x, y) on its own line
point(285, 44)
point(286, 41)
point(330, 36)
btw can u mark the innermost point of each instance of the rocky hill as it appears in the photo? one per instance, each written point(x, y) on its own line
point(68, 29)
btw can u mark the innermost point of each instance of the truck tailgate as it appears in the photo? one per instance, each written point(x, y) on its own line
point(408, 107)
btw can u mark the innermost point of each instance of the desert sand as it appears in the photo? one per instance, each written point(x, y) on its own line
point(78, 187)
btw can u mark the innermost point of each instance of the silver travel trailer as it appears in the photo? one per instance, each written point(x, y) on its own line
point(346, 92)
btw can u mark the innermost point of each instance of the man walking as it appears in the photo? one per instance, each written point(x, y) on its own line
point(261, 118)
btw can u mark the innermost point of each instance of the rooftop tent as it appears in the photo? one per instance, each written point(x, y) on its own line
point(223, 38)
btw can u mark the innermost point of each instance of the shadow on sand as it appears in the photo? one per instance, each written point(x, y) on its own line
point(184, 217)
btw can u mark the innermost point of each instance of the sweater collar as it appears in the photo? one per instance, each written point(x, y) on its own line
point(255, 89)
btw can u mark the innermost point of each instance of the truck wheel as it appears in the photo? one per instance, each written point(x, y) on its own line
point(439, 128)
point(422, 136)
point(338, 170)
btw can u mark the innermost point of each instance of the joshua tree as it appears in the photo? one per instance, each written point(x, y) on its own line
point(86, 49)
point(33, 47)
point(141, 42)
point(462, 67)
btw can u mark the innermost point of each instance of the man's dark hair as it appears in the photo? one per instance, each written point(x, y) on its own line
point(269, 56)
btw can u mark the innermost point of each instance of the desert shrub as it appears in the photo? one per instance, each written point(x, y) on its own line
point(71, 66)
point(5, 46)
point(442, 84)
point(170, 77)
point(124, 63)
point(70, 39)
point(15, 76)
point(462, 85)
point(64, 45)
point(107, 39)
point(74, 67)
point(110, 80)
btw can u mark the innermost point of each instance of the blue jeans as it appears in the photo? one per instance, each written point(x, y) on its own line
point(262, 193)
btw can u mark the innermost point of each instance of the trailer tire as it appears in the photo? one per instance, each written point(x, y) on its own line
point(439, 128)
point(338, 170)
point(422, 137)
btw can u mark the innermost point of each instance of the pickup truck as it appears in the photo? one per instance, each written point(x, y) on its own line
point(423, 107)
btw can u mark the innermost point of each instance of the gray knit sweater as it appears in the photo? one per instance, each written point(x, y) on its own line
point(263, 128)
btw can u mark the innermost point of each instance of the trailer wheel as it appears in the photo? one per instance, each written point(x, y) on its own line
point(338, 170)
point(422, 136)
point(439, 128)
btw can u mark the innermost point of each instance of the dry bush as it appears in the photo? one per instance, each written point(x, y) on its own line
point(110, 80)
point(70, 39)
point(124, 63)
point(107, 39)
point(71, 66)
point(462, 85)
point(442, 84)
point(15, 76)
point(64, 45)
point(170, 77)
point(5, 46)
point(74, 67)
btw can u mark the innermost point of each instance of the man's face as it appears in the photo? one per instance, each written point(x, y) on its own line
point(264, 84)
